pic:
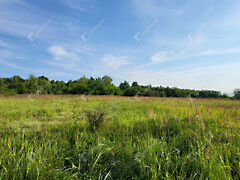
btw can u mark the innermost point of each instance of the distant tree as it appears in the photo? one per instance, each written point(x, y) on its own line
point(151, 93)
point(209, 94)
point(162, 94)
point(98, 86)
point(3, 86)
point(43, 78)
point(169, 92)
point(236, 93)
point(44, 85)
point(118, 91)
point(225, 96)
point(80, 86)
point(107, 79)
point(60, 87)
point(32, 84)
point(194, 94)
point(124, 85)
point(16, 83)
point(134, 84)
point(132, 91)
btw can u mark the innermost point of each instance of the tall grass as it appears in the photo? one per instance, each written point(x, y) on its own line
point(49, 137)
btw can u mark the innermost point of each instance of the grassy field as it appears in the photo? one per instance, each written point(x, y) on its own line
point(62, 137)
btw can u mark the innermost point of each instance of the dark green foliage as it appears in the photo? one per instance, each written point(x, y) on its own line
point(98, 86)
point(237, 93)
point(124, 85)
point(134, 84)
point(132, 91)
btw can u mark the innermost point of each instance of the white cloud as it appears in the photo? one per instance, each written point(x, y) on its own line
point(219, 51)
point(15, 27)
point(114, 62)
point(60, 53)
point(57, 51)
point(11, 65)
point(6, 2)
point(4, 44)
point(5, 53)
point(163, 56)
point(154, 8)
point(174, 55)
point(205, 77)
point(80, 5)
point(197, 37)
point(171, 55)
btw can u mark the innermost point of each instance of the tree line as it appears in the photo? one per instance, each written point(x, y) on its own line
point(98, 86)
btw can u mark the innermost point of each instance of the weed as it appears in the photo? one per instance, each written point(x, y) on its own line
point(95, 117)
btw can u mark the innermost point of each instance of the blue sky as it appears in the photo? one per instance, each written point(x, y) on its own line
point(177, 43)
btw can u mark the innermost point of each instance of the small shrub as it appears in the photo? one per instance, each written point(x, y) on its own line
point(95, 117)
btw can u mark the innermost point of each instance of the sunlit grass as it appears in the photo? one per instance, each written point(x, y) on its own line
point(140, 138)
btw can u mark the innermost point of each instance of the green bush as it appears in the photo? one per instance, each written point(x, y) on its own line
point(96, 116)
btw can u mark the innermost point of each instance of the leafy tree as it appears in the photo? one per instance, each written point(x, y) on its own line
point(32, 84)
point(124, 85)
point(80, 86)
point(236, 93)
point(97, 86)
point(43, 78)
point(106, 80)
point(3, 86)
point(132, 91)
point(60, 87)
point(134, 84)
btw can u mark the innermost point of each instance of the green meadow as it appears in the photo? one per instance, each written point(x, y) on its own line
point(108, 137)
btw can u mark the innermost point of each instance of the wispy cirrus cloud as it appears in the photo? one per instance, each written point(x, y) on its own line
point(163, 56)
point(8, 2)
point(197, 36)
point(79, 5)
point(6, 55)
point(154, 8)
point(175, 55)
point(115, 62)
point(5, 45)
point(230, 50)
